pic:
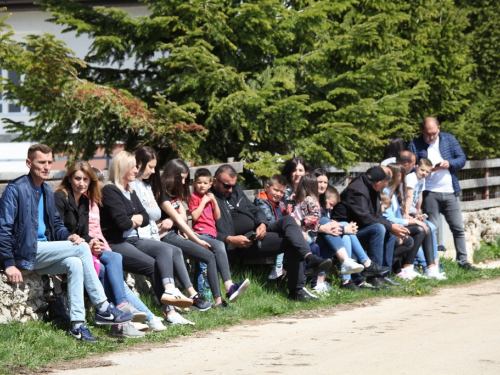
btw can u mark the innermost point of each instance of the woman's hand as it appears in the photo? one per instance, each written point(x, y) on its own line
point(137, 220)
point(351, 228)
point(96, 247)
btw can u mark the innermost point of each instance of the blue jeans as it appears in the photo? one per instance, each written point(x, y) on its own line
point(353, 246)
point(379, 242)
point(62, 257)
point(449, 205)
point(330, 244)
point(136, 301)
point(111, 276)
point(200, 272)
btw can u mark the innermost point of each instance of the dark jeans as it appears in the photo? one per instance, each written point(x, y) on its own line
point(399, 253)
point(147, 257)
point(379, 242)
point(449, 205)
point(283, 236)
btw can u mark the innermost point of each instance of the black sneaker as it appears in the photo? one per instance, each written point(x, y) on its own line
point(82, 333)
point(199, 303)
point(389, 281)
point(468, 267)
point(375, 269)
point(302, 295)
point(349, 285)
point(315, 265)
point(367, 286)
point(112, 316)
point(377, 281)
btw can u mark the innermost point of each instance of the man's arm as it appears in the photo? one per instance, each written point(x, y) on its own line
point(8, 214)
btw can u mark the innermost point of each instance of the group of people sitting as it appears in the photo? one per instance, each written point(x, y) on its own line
point(93, 231)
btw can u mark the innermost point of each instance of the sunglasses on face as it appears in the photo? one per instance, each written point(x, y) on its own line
point(227, 186)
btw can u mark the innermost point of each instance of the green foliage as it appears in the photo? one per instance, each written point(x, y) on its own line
point(487, 251)
point(331, 81)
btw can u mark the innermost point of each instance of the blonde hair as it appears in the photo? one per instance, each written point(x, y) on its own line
point(121, 163)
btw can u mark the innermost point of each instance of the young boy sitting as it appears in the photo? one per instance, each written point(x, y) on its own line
point(269, 201)
point(204, 211)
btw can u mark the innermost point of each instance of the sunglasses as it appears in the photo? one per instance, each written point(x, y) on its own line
point(227, 186)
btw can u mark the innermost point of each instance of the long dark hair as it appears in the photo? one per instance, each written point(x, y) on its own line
point(308, 186)
point(143, 156)
point(395, 146)
point(171, 180)
point(318, 172)
point(290, 167)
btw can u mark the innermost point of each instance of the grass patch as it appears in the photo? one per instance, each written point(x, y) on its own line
point(487, 251)
point(34, 345)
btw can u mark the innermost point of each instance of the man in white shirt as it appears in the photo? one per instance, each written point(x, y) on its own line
point(441, 194)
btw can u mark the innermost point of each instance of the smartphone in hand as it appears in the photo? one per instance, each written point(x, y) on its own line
point(251, 236)
point(424, 216)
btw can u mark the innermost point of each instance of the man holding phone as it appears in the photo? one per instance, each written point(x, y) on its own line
point(442, 189)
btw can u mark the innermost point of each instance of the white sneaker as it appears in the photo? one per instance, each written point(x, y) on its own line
point(125, 330)
point(176, 319)
point(350, 266)
point(140, 326)
point(322, 289)
point(433, 273)
point(174, 297)
point(276, 273)
point(155, 324)
point(411, 273)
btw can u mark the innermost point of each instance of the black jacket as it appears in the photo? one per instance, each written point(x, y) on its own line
point(243, 205)
point(76, 219)
point(117, 211)
point(359, 202)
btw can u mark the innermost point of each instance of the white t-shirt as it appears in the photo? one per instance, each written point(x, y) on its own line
point(388, 161)
point(439, 181)
point(418, 186)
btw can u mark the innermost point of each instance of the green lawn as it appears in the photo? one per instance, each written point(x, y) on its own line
point(31, 346)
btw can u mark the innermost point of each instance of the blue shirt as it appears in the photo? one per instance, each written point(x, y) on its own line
point(41, 220)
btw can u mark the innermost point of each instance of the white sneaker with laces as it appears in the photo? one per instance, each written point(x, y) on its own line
point(155, 324)
point(176, 319)
point(174, 297)
point(350, 266)
point(141, 326)
point(411, 273)
point(322, 288)
point(433, 273)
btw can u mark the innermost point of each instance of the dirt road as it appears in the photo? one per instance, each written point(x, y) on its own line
point(455, 331)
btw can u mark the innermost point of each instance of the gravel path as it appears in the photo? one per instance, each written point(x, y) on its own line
point(455, 331)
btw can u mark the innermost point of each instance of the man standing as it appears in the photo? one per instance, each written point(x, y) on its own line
point(243, 226)
point(442, 189)
point(360, 202)
point(33, 237)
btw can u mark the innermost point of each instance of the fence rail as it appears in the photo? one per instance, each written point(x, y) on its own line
point(479, 180)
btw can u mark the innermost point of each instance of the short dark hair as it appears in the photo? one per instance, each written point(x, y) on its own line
point(331, 192)
point(202, 172)
point(404, 156)
point(426, 162)
point(44, 149)
point(277, 179)
point(226, 168)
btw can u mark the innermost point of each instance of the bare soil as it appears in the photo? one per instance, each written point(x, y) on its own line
point(455, 331)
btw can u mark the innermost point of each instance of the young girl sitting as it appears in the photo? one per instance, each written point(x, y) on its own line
point(175, 190)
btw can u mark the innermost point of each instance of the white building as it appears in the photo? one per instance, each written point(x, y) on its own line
point(27, 19)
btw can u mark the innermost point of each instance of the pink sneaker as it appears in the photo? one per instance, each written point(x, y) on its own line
point(402, 275)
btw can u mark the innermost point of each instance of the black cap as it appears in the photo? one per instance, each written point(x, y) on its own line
point(376, 174)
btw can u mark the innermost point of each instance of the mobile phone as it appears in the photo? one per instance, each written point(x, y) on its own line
point(251, 236)
point(437, 165)
point(424, 216)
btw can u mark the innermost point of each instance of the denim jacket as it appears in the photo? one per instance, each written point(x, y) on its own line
point(19, 222)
